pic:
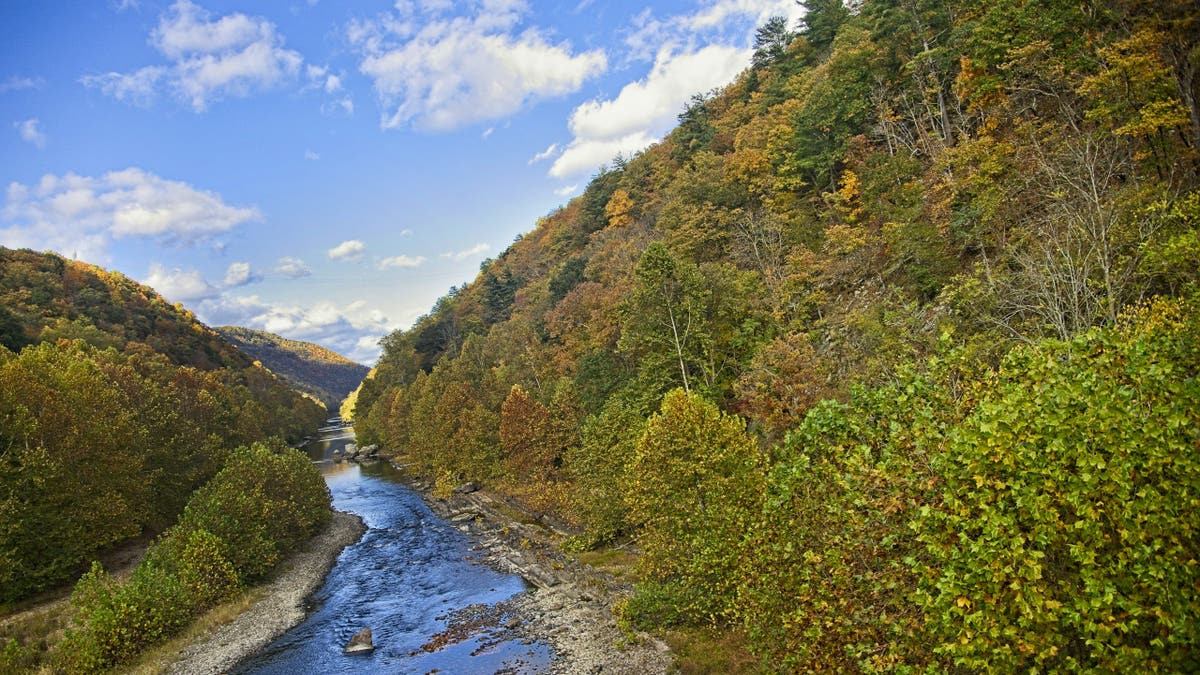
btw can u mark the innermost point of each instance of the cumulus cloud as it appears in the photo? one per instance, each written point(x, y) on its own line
point(644, 110)
point(353, 330)
point(728, 22)
point(467, 253)
point(401, 261)
point(240, 274)
point(80, 215)
point(311, 156)
point(208, 59)
point(439, 73)
point(347, 250)
point(179, 285)
point(31, 132)
point(292, 268)
point(567, 190)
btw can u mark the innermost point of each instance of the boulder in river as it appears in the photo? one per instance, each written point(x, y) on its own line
point(360, 643)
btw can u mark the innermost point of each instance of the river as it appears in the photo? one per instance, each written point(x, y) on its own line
point(403, 579)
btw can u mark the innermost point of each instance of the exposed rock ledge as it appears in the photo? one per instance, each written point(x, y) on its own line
point(282, 608)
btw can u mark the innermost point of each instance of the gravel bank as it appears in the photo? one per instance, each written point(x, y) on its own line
point(570, 606)
point(283, 607)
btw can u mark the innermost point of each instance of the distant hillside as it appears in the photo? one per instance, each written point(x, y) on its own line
point(308, 367)
point(115, 406)
point(44, 296)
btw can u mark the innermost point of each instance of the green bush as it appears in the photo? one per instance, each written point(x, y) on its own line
point(1067, 538)
point(824, 584)
point(266, 500)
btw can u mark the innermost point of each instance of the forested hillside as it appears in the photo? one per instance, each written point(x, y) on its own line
point(114, 407)
point(307, 367)
point(886, 355)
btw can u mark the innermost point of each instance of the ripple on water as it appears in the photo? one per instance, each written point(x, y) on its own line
point(402, 579)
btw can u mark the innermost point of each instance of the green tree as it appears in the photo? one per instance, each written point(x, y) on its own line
point(694, 489)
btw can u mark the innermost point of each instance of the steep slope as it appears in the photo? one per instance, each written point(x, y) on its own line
point(308, 367)
point(800, 297)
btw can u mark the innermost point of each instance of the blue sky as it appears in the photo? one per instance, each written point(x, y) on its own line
point(326, 170)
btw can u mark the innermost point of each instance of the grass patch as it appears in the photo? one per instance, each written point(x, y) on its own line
point(615, 561)
point(715, 651)
point(35, 633)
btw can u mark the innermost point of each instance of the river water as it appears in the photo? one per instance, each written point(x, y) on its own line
point(404, 578)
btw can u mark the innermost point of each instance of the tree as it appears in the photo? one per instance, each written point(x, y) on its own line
point(771, 41)
point(693, 489)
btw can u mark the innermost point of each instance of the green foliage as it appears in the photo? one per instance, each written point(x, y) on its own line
point(826, 586)
point(266, 500)
point(693, 488)
point(264, 503)
point(598, 469)
point(1065, 538)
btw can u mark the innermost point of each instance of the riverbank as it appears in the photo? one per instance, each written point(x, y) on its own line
point(281, 607)
point(571, 604)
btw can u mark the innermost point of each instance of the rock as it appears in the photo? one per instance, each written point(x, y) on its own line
point(467, 488)
point(370, 450)
point(360, 643)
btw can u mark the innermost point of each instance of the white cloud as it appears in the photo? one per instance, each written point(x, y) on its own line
point(240, 274)
point(292, 268)
point(233, 55)
point(17, 83)
point(467, 253)
point(487, 133)
point(567, 190)
point(401, 261)
point(82, 214)
point(440, 73)
point(728, 22)
point(178, 285)
point(545, 154)
point(347, 250)
point(30, 132)
point(311, 156)
point(353, 330)
point(342, 106)
point(646, 109)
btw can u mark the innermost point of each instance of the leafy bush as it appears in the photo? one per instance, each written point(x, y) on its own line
point(261, 505)
point(1067, 537)
point(824, 585)
point(266, 500)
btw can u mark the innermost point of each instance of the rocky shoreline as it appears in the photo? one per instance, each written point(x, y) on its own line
point(282, 607)
point(570, 606)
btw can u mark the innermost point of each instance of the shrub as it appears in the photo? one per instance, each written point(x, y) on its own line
point(266, 500)
point(824, 584)
point(1067, 538)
